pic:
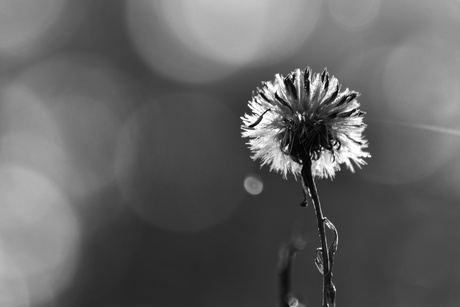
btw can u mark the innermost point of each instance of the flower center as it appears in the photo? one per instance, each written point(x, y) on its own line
point(305, 138)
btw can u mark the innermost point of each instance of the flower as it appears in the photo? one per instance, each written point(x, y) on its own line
point(305, 118)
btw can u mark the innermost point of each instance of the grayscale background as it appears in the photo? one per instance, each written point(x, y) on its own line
point(124, 181)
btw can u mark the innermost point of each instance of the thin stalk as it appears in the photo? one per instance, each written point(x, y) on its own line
point(285, 263)
point(309, 186)
point(284, 275)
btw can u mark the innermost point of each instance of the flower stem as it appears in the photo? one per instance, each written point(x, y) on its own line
point(285, 263)
point(284, 275)
point(309, 186)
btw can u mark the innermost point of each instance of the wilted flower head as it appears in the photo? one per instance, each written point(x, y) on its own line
point(305, 116)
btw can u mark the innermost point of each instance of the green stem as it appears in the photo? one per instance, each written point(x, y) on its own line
point(309, 185)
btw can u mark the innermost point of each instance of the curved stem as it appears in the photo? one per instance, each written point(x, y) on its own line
point(285, 263)
point(309, 185)
point(284, 273)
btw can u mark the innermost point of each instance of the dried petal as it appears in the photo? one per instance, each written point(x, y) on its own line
point(309, 118)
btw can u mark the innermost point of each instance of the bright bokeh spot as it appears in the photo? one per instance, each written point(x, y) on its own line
point(177, 162)
point(412, 107)
point(202, 41)
point(163, 52)
point(59, 126)
point(90, 128)
point(26, 25)
point(354, 14)
point(209, 27)
point(408, 109)
point(39, 236)
point(62, 117)
point(253, 184)
point(13, 285)
point(242, 31)
point(421, 83)
point(29, 134)
point(420, 100)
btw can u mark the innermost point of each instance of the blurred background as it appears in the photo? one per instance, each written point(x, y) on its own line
point(124, 180)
